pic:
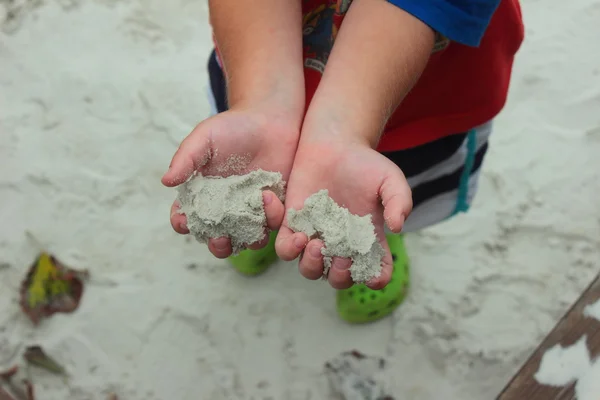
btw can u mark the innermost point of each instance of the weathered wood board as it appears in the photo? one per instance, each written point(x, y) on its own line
point(568, 331)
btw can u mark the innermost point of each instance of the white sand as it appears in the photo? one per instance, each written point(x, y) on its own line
point(561, 366)
point(592, 310)
point(588, 385)
point(343, 233)
point(94, 99)
point(231, 207)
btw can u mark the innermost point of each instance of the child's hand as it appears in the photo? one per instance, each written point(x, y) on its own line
point(358, 178)
point(234, 143)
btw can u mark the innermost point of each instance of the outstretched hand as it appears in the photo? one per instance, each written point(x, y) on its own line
point(358, 178)
point(234, 143)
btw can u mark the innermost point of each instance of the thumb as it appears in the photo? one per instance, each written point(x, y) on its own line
point(274, 210)
point(193, 153)
point(290, 244)
point(396, 198)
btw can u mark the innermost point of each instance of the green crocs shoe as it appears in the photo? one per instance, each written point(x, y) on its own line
point(254, 262)
point(359, 304)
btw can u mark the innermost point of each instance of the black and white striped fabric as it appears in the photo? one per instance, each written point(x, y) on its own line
point(443, 174)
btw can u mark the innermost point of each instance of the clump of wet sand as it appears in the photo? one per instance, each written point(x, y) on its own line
point(344, 235)
point(231, 206)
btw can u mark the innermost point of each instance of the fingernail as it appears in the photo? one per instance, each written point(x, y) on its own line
point(342, 265)
point(183, 226)
point(376, 284)
point(220, 246)
point(315, 252)
point(267, 198)
point(299, 243)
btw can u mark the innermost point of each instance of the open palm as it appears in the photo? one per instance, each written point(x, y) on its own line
point(358, 178)
point(233, 143)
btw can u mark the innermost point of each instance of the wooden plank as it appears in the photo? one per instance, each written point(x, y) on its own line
point(567, 332)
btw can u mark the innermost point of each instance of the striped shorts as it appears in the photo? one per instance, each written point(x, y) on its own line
point(442, 174)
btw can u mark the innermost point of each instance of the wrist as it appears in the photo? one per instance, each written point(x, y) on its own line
point(273, 124)
point(347, 125)
point(273, 117)
point(278, 89)
point(282, 104)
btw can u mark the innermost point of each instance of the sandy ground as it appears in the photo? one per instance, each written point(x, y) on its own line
point(95, 97)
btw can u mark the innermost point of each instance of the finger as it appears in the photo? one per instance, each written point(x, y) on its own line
point(311, 263)
point(178, 221)
point(387, 268)
point(288, 244)
point(260, 244)
point(220, 247)
point(396, 198)
point(274, 210)
point(339, 274)
point(192, 154)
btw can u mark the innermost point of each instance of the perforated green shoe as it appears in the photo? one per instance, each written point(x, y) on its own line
point(359, 304)
point(255, 262)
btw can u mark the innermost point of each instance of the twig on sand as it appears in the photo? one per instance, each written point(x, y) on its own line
point(29, 387)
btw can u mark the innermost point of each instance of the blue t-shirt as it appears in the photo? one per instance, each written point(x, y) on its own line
point(462, 21)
